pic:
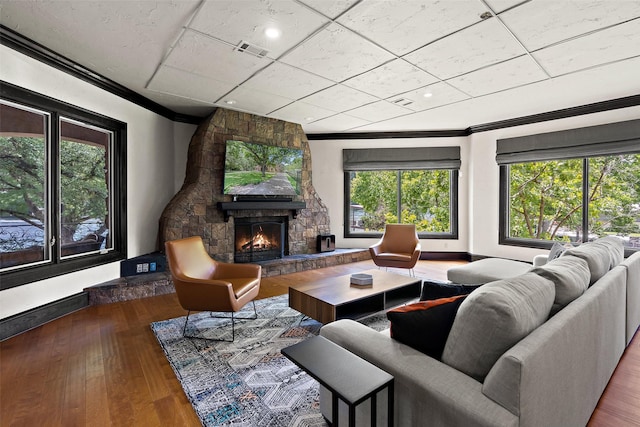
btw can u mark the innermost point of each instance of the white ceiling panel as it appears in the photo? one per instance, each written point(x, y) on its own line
point(615, 43)
point(282, 79)
point(192, 86)
point(202, 55)
point(390, 79)
point(485, 43)
point(543, 22)
point(431, 96)
point(338, 123)
point(337, 54)
point(506, 75)
point(330, 8)
point(254, 101)
point(381, 110)
point(501, 5)
point(233, 21)
point(404, 25)
point(339, 98)
point(301, 112)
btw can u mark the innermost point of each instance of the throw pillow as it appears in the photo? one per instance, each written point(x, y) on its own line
point(493, 319)
point(597, 256)
point(615, 245)
point(556, 250)
point(425, 325)
point(435, 289)
point(570, 276)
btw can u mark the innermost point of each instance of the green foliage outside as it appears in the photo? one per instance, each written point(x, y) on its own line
point(83, 184)
point(425, 199)
point(546, 200)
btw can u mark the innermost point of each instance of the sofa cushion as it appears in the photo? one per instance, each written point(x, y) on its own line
point(436, 289)
point(597, 257)
point(494, 318)
point(570, 276)
point(425, 325)
point(615, 245)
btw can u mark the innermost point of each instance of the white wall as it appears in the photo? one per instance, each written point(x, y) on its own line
point(152, 155)
point(484, 176)
point(328, 180)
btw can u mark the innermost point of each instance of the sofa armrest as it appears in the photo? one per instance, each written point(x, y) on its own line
point(539, 260)
point(425, 388)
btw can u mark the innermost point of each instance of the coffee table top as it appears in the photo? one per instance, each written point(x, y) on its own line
point(338, 290)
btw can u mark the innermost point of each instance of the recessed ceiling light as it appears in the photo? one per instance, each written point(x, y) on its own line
point(272, 32)
point(428, 95)
point(230, 102)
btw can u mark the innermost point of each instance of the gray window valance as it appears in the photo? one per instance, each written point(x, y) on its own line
point(414, 158)
point(593, 141)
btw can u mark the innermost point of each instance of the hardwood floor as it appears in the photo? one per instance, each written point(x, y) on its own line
point(103, 366)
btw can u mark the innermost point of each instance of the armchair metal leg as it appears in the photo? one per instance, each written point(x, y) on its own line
point(233, 325)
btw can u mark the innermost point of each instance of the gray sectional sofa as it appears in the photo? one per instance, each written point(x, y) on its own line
point(534, 350)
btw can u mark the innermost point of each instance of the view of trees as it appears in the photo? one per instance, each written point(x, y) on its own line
point(546, 198)
point(23, 175)
point(425, 199)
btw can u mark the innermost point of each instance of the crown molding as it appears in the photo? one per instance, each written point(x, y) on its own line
point(40, 53)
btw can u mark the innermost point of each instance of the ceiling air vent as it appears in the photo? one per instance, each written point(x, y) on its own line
point(402, 101)
point(253, 49)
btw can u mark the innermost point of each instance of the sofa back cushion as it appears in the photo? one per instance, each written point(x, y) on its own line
point(570, 275)
point(615, 245)
point(495, 317)
point(597, 257)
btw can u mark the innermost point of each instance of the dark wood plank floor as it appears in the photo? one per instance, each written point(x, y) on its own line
point(103, 366)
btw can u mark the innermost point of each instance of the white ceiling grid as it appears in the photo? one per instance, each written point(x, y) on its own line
point(351, 65)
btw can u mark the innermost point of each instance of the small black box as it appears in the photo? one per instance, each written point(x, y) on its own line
point(326, 242)
point(150, 263)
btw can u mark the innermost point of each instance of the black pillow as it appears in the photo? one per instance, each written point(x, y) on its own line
point(435, 289)
point(425, 325)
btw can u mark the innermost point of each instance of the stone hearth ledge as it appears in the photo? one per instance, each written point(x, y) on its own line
point(153, 284)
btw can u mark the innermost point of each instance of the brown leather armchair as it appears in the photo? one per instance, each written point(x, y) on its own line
point(203, 284)
point(399, 247)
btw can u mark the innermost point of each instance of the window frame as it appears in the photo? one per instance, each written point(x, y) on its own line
point(453, 210)
point(57, 110)
point(504, 209)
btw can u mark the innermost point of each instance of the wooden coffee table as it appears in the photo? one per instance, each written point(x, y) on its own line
point(334, 298)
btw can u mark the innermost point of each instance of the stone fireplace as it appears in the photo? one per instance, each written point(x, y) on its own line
point(201, 209)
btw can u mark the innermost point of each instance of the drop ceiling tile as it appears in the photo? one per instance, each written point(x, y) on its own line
point(482, 44)
point(336, 54)
point(612, 44)
point(390, 79)
point(177, 82)
point(506, 75)
point(338, 123)
point(254, 101)
point(538, 24)
point(339, 98)
point(199, 54)
point(441, 94)
point(301, 112)
point(381, 110)
point(330, 8)
point(501, 5)
point(402, 26)
point(233, 21)
point(282, 79)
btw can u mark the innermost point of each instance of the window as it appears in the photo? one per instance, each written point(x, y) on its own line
point(589, 190)
point(62, 181)
point(411, 186)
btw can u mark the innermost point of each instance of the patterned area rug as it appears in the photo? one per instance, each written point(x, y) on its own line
point(247, 382)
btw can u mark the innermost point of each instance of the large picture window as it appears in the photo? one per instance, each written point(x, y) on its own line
point(62, 181)
point(408, 186)
point(571, 191)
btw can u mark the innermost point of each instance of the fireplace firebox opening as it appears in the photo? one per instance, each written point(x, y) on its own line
point(260, 239)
